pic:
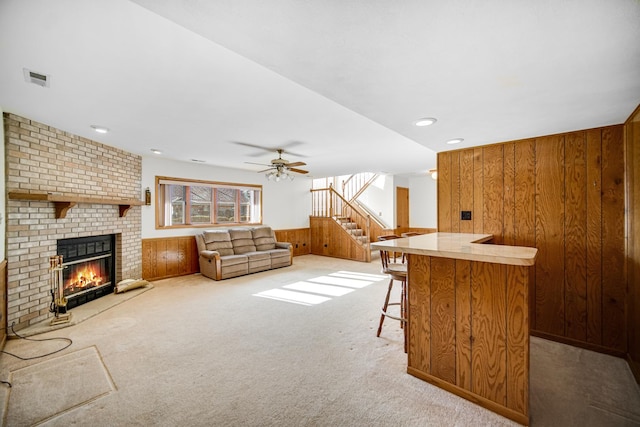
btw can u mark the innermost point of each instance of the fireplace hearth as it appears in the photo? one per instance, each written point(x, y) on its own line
point(88, 268)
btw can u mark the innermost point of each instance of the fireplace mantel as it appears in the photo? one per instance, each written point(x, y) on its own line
point(65, 202)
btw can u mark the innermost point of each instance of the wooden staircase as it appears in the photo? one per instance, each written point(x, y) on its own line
point(353, 229)
point(339, 227)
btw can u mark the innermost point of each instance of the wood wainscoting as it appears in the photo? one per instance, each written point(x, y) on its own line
point(632, 139)
point(328, 238)
point(300, 238)
point(563, 194)
point(166, 257)
point(3, 302)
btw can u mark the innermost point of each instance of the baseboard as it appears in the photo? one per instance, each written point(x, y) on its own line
point(581, 344)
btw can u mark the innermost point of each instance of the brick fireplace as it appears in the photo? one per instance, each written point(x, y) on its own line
point(42, 159)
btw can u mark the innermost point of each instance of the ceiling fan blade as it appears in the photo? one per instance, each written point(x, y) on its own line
point(298, 170)
point(259, 147)
point(294, 164)
point(266, 170)
point(285, 148)
point(270, 149)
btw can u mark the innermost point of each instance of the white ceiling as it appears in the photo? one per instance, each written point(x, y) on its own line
point(338, 82)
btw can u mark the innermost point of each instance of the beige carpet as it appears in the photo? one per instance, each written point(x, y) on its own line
point(292, 347)
point(45, 390)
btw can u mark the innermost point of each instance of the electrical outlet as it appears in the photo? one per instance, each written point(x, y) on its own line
point(465, 215)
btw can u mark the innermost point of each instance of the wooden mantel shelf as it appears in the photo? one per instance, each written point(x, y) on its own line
point(64, 202)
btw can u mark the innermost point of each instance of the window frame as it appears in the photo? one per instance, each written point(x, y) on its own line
point(162, 212)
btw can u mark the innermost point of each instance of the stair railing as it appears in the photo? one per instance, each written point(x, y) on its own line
point(355, 185)
point(327, 202)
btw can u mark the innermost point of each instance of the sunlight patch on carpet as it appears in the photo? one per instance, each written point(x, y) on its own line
point(317, 288)
point(56, 386)
point(293, 297)
point(320, 289)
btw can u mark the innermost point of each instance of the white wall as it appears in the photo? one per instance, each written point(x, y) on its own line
point(380, 198)
point(285, 205)
point(423, 199)
point(3, 201)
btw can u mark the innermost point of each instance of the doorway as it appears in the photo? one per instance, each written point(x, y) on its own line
point(402, 210)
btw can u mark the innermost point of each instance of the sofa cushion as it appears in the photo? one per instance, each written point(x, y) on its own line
point(218, 240)
point(280, 257)
point(242, 241)
point(233, 260)
point(263, 238)
point(259, 261)
point(257, 256)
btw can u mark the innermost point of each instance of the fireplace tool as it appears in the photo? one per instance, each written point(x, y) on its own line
point(58, 300)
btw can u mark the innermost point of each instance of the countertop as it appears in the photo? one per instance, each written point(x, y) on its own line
point(465, 246)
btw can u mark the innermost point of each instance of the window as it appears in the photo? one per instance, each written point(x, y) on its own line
point(188, 203)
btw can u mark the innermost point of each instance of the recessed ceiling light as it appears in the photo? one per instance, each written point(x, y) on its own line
point(455, 141)
point(156, 151)
point(427, 121)
point(100, 129)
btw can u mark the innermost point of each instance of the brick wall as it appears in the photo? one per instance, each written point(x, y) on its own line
point(41, 159)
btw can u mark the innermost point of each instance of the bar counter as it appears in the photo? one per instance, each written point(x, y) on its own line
point(468, 317)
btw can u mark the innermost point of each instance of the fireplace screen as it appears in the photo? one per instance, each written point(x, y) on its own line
point(80, 276)
point(88, 268)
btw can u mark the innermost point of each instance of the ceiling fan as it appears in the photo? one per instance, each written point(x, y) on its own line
point(281, 168)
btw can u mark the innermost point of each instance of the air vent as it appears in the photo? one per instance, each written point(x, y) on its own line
point(37, 78)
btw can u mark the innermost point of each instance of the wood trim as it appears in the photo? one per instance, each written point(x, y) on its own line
point(632, 179)
point(472, 397)
point(3, 303)
point(64, 202)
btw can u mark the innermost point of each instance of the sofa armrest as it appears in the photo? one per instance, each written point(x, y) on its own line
point(210, 254)
point(284, 245)
point(210, 265)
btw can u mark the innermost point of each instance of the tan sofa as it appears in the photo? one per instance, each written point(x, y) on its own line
point(226, 253)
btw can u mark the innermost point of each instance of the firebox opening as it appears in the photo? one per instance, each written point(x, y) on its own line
point(88, 268)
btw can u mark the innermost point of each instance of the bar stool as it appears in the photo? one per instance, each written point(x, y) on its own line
point(411, 233)
point(396, 271)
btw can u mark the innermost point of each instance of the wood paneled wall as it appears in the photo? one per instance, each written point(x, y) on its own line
point(632, 136)
point(329, 239)
point(563, 194)
point(469, 332)
point(300, 238)
point(166, 257)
